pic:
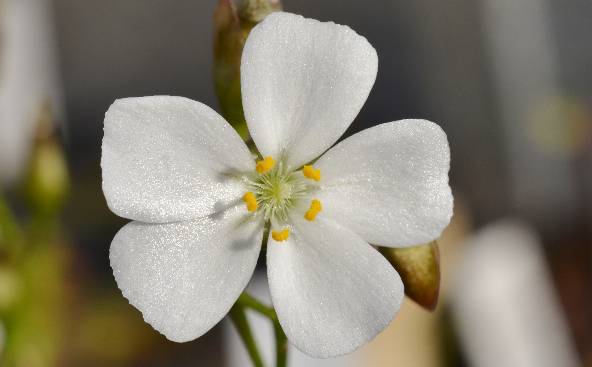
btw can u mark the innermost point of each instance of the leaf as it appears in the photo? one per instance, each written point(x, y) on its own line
point(419, 268)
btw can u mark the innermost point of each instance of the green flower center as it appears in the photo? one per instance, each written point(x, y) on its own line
point(277, 191)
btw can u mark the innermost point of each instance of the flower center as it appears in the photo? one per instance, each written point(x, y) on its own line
point(274, 192)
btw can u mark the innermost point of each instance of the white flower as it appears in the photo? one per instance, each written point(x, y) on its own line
point(200, 202)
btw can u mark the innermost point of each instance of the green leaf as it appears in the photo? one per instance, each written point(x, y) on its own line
point(419, 268)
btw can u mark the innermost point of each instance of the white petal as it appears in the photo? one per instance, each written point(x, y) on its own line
point(169, 158)
point(185, 276)
point(303, 83)
point(332, 291)
point(389, 183)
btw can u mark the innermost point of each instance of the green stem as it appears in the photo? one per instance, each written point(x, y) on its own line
point(239, 318)
point(281, 341)
point(11, 235)
point(281, 345)
point(248, 301)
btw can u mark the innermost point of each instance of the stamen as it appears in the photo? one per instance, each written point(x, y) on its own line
point(280, 236)
point(251, 201)
point(312, 173)
point(315, 208)
point(265, 165)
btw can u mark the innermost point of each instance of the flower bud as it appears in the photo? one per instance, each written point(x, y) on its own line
point(231, 28)
point(255, 10)
point(419, 268)
point(47, 181)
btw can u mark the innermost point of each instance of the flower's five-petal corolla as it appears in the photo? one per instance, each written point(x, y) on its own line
point(200, 201)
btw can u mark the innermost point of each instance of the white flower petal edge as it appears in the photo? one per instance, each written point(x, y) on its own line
point(331, 290)
point(184, 277)
point(389, 183)
point(303, 83)
point(169, 158)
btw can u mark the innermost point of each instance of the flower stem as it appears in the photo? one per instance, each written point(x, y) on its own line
point(281, 341)
point(239, 318)
point(248, 301)
point(11, 234)
point(281, 345)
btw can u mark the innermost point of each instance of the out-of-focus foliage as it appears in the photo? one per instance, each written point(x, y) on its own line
point(48, 317)
point(561, 126)
point(34, 262)
point(34, 315)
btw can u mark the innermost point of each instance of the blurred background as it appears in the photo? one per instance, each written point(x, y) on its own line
point(509, 81)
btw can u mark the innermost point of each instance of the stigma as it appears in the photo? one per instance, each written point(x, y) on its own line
point(280, 236)
point(312, 173)
point(315, 208)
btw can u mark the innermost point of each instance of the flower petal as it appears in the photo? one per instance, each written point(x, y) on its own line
point(331, 290)
point(169, 158)
point(303, 83)
point(389, 183)
point(185, 276)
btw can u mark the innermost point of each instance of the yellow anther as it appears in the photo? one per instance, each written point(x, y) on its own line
point(280, 236)
point(315, 208)
point(312, 173)
point(265, 165)
point(251, 201)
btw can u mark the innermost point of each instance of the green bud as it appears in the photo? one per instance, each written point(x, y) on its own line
point(419, 268)
point(231, 29)
point(47, 181)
